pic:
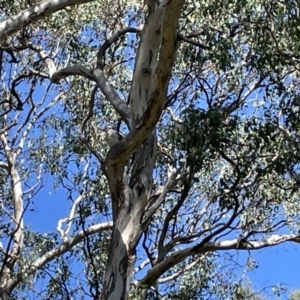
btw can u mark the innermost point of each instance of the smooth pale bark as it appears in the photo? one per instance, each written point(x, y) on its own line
point(152, 71)
point(33, 14)
point(236, 244)
point(17, 236)
point(130, 193)
point(10, 283)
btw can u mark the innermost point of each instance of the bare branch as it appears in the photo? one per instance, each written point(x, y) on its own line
point(180, 272)
point(110, 41)
point(166, 188)
point(119, 105)
point(35, 118)
point(17, 190)
point(91, 111)
point(33, 14)
point(236, 244)
point(106, 88)
point(52, 254)
point(189, 40)
point(141, 266)
point(69, 220)
point(163, 249)
point(71, 71)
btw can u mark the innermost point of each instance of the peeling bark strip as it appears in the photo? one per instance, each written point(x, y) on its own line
point(130, 196)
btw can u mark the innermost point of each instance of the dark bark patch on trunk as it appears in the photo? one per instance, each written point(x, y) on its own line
point(140, 189)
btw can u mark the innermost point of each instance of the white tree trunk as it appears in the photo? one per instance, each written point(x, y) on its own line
point(130, 195)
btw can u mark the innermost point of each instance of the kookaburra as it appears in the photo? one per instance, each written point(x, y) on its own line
point(112, 137)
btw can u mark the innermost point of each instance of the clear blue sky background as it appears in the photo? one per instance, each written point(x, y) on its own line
point(277, 265)
point(280, 264)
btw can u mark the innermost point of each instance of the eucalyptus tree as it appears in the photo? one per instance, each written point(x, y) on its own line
point(246, 292)
point(206, 96)
point(295, 295)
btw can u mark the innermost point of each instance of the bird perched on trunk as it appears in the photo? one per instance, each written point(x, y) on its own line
point(112, 137)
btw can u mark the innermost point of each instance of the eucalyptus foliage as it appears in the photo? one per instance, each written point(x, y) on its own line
point(206, 95)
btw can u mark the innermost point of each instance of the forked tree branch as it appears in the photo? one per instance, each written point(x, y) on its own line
point(57, 252)
point(110, 41)
point(106, 88)
point(236, 244)
point(118, 155)
point(71, 71)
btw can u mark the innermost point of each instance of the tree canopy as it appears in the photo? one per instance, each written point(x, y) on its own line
point(295, 295)
point(206, 97)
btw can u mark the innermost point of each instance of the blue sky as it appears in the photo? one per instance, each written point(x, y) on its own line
point(277, 265)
